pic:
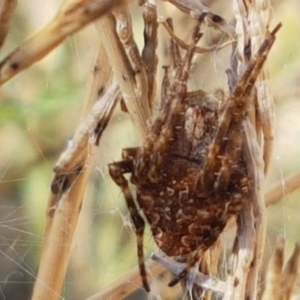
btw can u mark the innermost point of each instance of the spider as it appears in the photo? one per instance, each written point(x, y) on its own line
point(190, 174)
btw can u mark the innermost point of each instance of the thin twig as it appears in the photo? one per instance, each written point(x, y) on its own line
point(7, 9)
point(74, 16)
point(185, 46)
point(127, 284)
point(283, 187)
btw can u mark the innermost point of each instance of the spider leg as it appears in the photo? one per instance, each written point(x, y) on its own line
point(158, 140)
point(130, 153)
point(234, 113)
point(174, 104)
point(165, 87)
point(229, 160)
point(175, 56)
point(117, 171)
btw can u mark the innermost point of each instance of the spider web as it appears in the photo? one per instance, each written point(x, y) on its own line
point(36, 121)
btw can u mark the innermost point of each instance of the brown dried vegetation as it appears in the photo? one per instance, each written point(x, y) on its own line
point(202, 161)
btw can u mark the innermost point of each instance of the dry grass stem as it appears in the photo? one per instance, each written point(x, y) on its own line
point(117, 37)
point(100, 80)
point(280, 281)
point(74, 157)
point(273, 275)
point(73, 17)
point(60, 226)
point(248, 248)
point(253, 152)
point(290, 274)
point(242, 256)
point(149, 55)
point(282, 188)
point(69, 185)
point(259, 22)
point(7, 9)
point(127, 284)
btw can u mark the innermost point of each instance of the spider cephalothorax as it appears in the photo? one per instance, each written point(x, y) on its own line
point(190, 174)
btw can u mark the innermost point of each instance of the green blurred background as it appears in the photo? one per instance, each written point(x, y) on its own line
point(39, 111)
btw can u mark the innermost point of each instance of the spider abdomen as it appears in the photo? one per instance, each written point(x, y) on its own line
point(182, 221)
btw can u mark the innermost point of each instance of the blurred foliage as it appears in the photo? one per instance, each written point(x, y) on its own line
point(39, 110)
